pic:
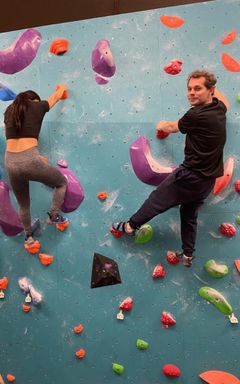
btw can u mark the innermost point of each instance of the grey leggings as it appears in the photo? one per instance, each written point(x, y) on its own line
point(26, 166)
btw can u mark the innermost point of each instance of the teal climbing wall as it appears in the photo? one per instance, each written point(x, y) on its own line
point(93, 130)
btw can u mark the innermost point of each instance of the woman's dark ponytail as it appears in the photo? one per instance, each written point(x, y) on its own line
point(20, 105)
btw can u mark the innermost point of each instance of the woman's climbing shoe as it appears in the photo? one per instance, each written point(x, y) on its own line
point(119, 229)
point(60, 221)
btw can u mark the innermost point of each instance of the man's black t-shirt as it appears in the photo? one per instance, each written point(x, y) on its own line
point(205, 127)
point(32, 121)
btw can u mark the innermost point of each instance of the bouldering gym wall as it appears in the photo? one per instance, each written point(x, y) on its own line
point(70, 332)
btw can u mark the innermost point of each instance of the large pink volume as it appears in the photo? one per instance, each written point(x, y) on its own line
point(146, 168)
point(74, 194)
point(9, 218)
point(21, 53)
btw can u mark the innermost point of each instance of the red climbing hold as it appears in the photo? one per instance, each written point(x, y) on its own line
point(172, 258)
point(228, 229)
point(59, 46)
point(167, 319)
point(173, 67)
point(237, 186)
point(229, 38)
point(78, 328)
point(3, 282)
point(158, 272)
point(127, 304)
point(45, 259)
point(171, 370)
point(172, 21)
point(10, 378)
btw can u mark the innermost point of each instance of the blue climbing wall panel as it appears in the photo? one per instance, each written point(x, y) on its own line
point(93, 130)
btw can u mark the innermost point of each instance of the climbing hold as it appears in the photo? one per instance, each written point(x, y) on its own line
point(33, 248)
point(162, 135)
point(6, 94)
point(222, 181)
point(45, 259)
point(172, 21)
point(102, 59)
point(237, 219)
point(218, 377)
point(80, 354)
point(230, 63)
point(74, 194)
point(173, 67)
point(10, 378)
point(171, 370)
point(59, 46)
point(62, 226)
point(141, 344)
point(126, 304)
point(26, 308)
point(104, 271)
point(21, 53)
point(101, 80)
point(238, 97)
point(159, 272)
point(237, 264)
point(3, 286)
point(237, 186)
point(167, 319)
point(216, 298)
point(172, 258)
point(229, 38)
point(228, 229)
point(144, 234)
point(215, 269)
point(78, 328)
point(102, 195)
point(146, 168)
point(118, 368)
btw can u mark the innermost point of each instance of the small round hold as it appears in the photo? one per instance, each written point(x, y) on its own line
point(120, 315)
point(2, 295)
point(28, 298)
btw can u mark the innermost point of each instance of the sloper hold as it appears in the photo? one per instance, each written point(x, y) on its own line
point(219, 377)
point(104, 271)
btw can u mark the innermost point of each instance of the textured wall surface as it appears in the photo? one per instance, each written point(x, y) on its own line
point(93, 130)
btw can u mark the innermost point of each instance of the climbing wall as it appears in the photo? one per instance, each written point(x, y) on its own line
point(92, 131)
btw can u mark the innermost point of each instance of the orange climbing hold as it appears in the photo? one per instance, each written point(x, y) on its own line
point(4, 283)
point(45, 259)
point(78, 328)
point(64, 95)
point(102, 195)
point(59, 46)
point(33, 248)
point(61, 227)
point(172, 21)
point(237, 264)
point(218, 377)
point(229, 38)
point(10, 378)
point(80, 354)
point(26, 308)
point(230, 63)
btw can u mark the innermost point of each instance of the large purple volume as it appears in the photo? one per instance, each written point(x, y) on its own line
point(146, 168)
point(102, 59)
point(21, 53)
point(74, 194)
point(9, 218)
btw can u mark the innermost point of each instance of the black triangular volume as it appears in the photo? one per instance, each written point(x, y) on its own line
point(104, 271)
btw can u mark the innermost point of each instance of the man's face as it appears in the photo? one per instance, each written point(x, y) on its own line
point(197, 93)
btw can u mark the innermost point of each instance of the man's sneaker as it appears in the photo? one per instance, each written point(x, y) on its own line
point(29, 240)
point(118, 229)
point(58, 219)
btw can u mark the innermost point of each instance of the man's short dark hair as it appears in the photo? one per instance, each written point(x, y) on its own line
point(210, 79)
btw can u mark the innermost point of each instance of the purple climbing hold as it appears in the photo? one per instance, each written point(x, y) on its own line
point(9, 218)
point(74, 194)
point(102, 59)
point(146, 168)
point(101, 80)
point(21, 53)
point(62, 163)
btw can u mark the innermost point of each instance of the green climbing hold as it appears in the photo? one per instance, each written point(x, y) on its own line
point(238, 219)
point(141, 344)
point(216, 270)
point(144, 234)
point(118, 368)
point(216, 298)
